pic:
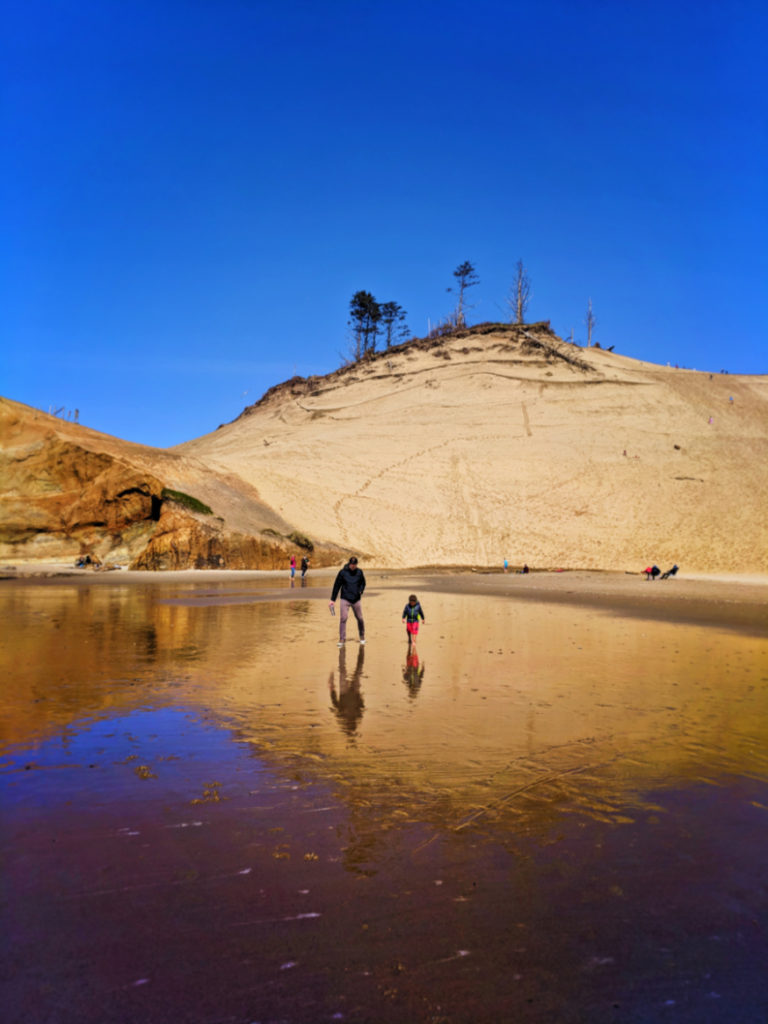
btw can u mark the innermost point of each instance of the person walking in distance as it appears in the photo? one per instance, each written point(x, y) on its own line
point(350, 582)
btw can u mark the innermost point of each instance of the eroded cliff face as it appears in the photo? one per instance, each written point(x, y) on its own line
point(183, 540)
point(62, 498)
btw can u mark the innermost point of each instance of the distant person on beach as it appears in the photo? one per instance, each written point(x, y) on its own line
point(350, 581)
point(506, 565)
point(651, 572)
point(304, 566)
point(411, 615)
point(293, 566)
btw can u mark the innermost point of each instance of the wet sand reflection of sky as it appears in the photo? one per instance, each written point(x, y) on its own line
point(557, 750)
point(515, 694)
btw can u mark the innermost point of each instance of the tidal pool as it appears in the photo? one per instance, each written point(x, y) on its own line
point(542, 813)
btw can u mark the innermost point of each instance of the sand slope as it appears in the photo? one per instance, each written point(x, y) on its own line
point(506, 442)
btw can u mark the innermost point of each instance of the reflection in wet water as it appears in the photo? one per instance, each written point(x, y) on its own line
point(575, 760)
point(348, 701)
point(585, 710)
point(413, 673)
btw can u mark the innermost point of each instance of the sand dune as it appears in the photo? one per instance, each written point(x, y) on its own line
point(508, 443)
point(496, 442)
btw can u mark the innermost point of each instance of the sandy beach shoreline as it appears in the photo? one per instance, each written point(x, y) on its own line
point(233, 807)
point(734, 602)
point(717, 602)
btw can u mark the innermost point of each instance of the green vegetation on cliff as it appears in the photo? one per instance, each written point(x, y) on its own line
point(193, 504)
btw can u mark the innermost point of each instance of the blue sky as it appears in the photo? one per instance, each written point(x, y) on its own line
point(192, 191)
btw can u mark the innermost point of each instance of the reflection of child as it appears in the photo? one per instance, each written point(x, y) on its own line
point(413, 673)
point(411, 615)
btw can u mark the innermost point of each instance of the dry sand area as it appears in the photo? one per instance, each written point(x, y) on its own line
point(487, 446)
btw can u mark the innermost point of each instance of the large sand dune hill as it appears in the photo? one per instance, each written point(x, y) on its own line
point(507, 442)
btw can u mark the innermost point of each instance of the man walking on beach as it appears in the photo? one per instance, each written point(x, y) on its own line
point(351, 582)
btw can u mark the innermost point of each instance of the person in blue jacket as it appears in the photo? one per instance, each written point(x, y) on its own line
point(411, 615)
point(350, 581)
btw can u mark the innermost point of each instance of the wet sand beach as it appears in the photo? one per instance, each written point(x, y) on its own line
point(554, 808)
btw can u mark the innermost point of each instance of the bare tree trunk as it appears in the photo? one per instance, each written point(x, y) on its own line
point(520, 294)
point(590, 320)
point(523, 292)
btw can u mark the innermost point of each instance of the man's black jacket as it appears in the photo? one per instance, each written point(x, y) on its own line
point(351, 583)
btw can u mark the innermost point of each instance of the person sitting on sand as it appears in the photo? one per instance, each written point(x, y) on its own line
point(651, 572)
point(411, 615)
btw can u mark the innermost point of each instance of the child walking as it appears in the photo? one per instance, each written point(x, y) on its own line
point(411, 615)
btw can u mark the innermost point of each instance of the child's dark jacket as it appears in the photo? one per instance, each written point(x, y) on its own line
point(413, 612)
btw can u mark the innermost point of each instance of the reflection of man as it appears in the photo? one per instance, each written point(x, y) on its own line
point(413, 673)
point(349, 702)
point(351, 582)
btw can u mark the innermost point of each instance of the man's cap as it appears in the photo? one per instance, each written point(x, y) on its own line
point(353, 560)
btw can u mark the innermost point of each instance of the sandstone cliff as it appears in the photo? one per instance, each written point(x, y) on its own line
point(67, 491)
